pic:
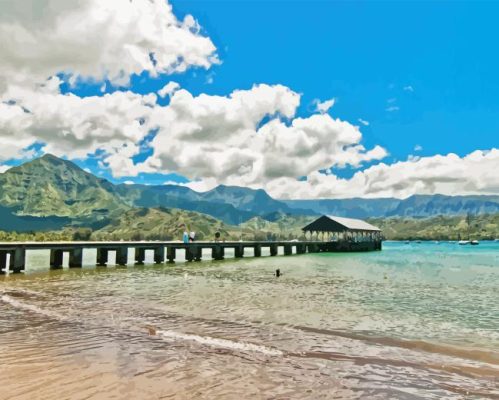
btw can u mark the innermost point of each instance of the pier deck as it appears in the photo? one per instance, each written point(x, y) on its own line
point(13, 254)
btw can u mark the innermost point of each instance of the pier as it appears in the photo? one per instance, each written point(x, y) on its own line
point(13, 254)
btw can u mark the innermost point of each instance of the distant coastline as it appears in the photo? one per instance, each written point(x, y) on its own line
point(167, 224)
point(53, 199)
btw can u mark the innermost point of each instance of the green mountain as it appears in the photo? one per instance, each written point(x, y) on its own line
point(485, 226)
point(161, 224)
point(49, 193)
point(50, 186)
point(414, 206)
point(181, 197)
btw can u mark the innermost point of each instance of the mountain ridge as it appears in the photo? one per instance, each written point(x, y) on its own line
point(53, 187)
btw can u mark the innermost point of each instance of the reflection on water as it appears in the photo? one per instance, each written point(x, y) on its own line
point(413, 321)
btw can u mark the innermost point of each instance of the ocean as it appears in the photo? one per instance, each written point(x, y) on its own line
point(414, 321)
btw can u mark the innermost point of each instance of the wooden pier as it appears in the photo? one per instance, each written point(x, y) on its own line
point(13, 255)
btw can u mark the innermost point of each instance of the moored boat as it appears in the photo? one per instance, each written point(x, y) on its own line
point(474, 242)
point(463, 242)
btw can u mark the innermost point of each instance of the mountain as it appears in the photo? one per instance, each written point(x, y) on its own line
point(482, 227)
point(353, 208)
point(49, 192)
point(50, 186)
point(181, 197)
point(24, 223)
point(161, 224)
point(414, 206)
point(255, 201)
point(431, 205)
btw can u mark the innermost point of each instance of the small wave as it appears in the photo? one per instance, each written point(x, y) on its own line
point(31, 307)
point(205, 340)
point(419, 345)
point(220, 343)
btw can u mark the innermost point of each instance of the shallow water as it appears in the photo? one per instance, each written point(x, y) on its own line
point(413, 321)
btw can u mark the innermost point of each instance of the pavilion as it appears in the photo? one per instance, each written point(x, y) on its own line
point(347, 234)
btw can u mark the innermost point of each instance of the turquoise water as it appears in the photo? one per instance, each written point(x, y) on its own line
point(412, 321)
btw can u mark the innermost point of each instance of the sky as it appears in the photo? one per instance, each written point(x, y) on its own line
point(306, 99)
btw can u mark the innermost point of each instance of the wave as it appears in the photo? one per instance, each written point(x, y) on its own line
point(220, 343)
point(420, 345)
point(31, 307)
point(166, 334)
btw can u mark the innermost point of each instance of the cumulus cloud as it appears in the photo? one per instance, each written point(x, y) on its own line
point(408, 88)
point(69, 125)
point(4, 168)
point(363, 122)
point(324, 106)
point(248, 138)
point(448, 174)
point(392, 108)
point(168, 89)
point(96, 39)
point(418, 147)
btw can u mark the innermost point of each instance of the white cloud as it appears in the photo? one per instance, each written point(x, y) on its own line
point(325, 106)
point(96, 39)
point(363, 122)
point(4, 168)
point(449, 174)
point(168, 89)
point(391, 100)
point(249, 137)
point(221, 139)
point(70, 125)
point(408, 88)
point(418, 147)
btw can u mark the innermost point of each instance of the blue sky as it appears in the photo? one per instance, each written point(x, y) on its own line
point(418, 78)
point(364, 54)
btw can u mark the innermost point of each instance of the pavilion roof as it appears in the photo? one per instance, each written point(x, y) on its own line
point(331, 223)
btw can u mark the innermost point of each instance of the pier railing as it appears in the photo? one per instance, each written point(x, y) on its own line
point(13, 254)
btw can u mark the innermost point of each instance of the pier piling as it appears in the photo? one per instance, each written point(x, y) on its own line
point(56, 257)
point(159, 255)
point(18, 260)
point(102, 257)
point(217, 252)
point(171, 253)
point(239, 251)
point(76, 258)
point(3, 262)
point(140, 255)
point(122, 256)
point(257, 250)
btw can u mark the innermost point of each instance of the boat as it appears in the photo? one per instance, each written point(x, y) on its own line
point(469, 241)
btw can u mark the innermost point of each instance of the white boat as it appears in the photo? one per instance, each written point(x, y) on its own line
point(463, 242)
point(474, 242)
